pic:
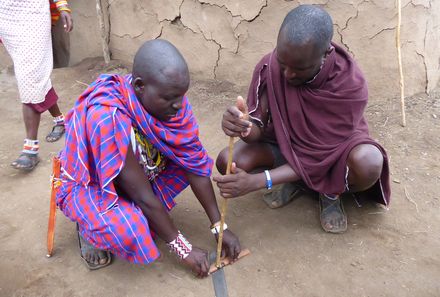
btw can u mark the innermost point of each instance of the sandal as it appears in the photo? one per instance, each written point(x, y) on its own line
point(332, 210)
point(26, 162)
point(85, 247)
point(56, 133)
point(283, 196)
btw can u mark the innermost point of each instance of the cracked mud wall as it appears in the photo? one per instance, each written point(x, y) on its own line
point(224, 39)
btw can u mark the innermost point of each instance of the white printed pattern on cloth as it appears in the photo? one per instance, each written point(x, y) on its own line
point(25, 32)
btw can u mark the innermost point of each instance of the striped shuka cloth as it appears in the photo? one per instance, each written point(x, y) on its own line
point(97, 138)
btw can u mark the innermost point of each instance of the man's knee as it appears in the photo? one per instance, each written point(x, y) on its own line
point(366, 161)
point(222, 161)
point(242, 159)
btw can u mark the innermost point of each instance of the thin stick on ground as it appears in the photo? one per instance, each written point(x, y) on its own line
point(410, 199)
point(81, 83)
point(399, 57)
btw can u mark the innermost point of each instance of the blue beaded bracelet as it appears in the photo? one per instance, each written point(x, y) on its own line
point(268, 180)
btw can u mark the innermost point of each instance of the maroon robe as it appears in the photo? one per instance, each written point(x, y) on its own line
point(317, 124)
point(49, 101)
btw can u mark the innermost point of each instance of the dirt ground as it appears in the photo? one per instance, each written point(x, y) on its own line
point(384, 253)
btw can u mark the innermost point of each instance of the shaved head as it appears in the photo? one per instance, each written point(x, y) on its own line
point(160, 78)
point(307, 24)
point(159, 61)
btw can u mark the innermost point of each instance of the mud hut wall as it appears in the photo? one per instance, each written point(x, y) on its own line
point(85, 39)
point(224, 39)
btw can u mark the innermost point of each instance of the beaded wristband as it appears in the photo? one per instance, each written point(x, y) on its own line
point(59, 3)
point(62, 5)
point(180, 246)
point(215, 228)
point(65, 8)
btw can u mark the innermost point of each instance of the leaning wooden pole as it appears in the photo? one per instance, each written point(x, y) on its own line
point(103, 31)
point(399, 57)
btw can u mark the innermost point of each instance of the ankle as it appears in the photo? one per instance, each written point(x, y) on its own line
point(31, 146)
point(59, 120)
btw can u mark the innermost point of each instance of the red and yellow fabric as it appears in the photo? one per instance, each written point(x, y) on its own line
point(56, 6)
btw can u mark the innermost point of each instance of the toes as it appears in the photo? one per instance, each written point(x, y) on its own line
point(91, 258)
point(276, 203)
point(95, 259)
point(87, 257)
point(328, 226)
point(102, 257)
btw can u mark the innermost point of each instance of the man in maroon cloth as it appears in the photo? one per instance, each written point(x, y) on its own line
point(306, 124)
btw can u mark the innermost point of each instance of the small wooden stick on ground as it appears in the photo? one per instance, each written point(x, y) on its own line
point(410, 199)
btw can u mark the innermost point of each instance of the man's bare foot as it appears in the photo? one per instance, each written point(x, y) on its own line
point(332, 214)
point(93, 257)
point(56, 133)
point(281, 197)
point(26, 162)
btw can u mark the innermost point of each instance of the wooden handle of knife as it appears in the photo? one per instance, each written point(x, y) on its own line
point(227, 261)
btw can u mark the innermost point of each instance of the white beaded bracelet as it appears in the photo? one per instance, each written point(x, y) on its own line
point(180, 246)
point(216, 228)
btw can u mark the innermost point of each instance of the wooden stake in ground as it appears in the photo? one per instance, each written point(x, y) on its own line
point(104, 41)
point(399, 57)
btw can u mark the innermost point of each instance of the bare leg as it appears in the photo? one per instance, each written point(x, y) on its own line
point(365, 163)
point(31, 121)
point(28, 159)
point(55, 110)
point(256, 157)
point(248, 157)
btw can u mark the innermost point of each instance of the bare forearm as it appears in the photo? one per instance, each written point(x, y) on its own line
point(158, 219)
point(279, 175)
point(203, 190)
point(135, 186)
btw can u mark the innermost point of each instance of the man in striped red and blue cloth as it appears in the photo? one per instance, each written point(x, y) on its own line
point(132, 146)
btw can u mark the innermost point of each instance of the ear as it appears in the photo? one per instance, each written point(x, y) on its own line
point(138, 85)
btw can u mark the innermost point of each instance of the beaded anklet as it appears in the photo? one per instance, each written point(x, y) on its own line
point(31, 146)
